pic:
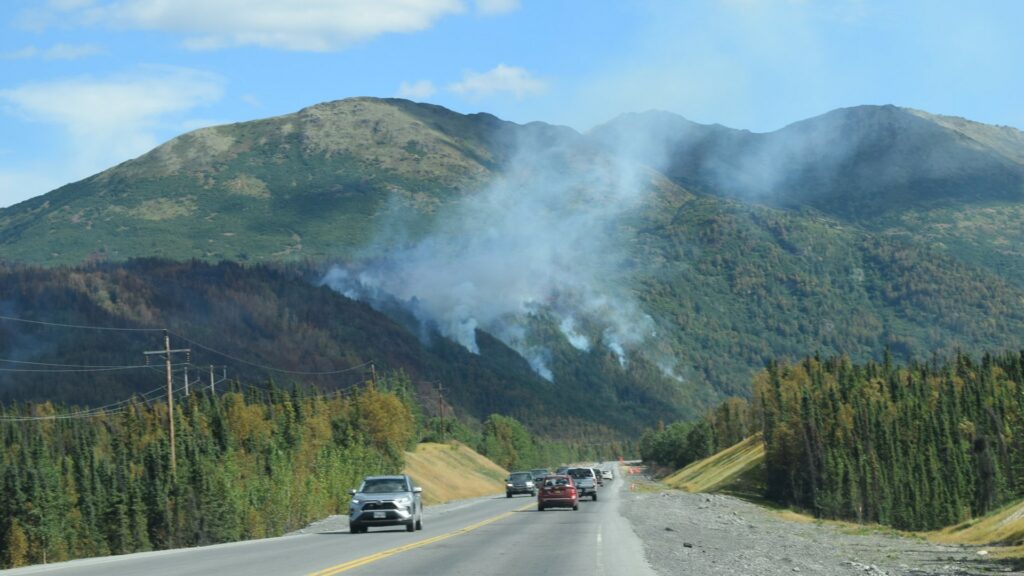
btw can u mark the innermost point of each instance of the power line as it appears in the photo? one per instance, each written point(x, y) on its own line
point(271, 368)
point(112, 408)
point(79, 326)
point(62, 365)
point(66, 370)
point(192, 342)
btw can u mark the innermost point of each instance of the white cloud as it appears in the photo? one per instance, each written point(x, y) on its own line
point(302, 25)
point(22, 54)
point(110, 120)
point(55, 52)
point(417, 90)
point(71, 51)
point(488, 7)
point(502, 78)
point(71, 4)
point(252, 100)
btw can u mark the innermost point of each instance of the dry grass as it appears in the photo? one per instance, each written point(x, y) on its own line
point(720, 471)
point(1003, 529)
point(452, 472)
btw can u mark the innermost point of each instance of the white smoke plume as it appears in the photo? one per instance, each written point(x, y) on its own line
point(578, 341)
point(542, 239)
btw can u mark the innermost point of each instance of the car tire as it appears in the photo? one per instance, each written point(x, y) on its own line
point(594, 497)
point(534, 493)
point(575, 507)
point(419, 524)
point(540, 507)
point(410, 526)
point(354, 529)
point(508, 494)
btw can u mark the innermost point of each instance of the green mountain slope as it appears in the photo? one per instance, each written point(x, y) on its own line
point(858, 164)
point(862, 229)
point(307, 185)
point(950, 183)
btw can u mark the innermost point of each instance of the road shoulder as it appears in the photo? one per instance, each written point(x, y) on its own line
point(716, 535)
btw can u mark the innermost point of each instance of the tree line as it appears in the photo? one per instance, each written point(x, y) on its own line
point(251, 463)
point(917, 447)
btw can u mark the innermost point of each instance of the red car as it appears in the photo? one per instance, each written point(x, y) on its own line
point(557, 492)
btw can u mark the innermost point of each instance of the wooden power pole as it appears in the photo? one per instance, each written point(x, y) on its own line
point(166, 352)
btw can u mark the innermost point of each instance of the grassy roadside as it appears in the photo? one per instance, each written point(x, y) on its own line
point(453, 472)
point(737, 471)
point(1003, 529)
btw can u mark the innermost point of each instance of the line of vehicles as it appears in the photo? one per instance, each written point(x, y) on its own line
point(563, 489)
point(396, 501)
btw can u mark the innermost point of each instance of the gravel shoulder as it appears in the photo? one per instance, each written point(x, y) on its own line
point(710, 534)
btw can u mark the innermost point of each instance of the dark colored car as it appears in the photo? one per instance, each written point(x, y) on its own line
point(562, 470)
point(520, 483)
point(539, 474)
point(557, 492)
point(385, 501)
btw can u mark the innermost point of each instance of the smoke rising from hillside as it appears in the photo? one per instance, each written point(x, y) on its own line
point(541, 240)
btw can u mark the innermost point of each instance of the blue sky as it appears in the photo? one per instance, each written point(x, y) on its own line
point(86, 84)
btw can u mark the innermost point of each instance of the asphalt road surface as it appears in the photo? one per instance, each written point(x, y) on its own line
point(494, 536)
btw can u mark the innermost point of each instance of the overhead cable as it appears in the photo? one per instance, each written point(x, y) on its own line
point(270, 368)
point(79, 326)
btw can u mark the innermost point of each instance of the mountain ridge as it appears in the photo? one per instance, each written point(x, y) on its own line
point(842, 261)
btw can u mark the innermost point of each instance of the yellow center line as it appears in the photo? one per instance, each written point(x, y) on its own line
point(345, 566)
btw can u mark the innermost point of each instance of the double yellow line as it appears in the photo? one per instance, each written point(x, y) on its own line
point(351, 564)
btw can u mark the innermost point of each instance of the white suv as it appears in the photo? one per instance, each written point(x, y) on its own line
point(385, 501)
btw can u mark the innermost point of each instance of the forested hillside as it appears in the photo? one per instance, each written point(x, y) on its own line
point(918, 447)
point(252, 462)
point(265, 323)
point(249, 465)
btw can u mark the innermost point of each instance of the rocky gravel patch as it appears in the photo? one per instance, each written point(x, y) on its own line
point(703, 534)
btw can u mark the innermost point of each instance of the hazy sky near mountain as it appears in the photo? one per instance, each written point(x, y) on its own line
point(86, 84)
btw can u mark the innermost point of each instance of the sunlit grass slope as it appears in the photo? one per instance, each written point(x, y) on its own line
point(735, 469)
point(452, 472)
point(1003, 528)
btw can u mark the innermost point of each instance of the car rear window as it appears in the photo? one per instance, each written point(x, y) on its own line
point(581, 473)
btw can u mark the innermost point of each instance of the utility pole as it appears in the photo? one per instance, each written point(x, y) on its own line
point(373, 375)
point(166, 353)
point(212, 389)
point(186, 380)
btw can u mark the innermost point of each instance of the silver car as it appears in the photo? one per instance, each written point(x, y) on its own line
point(385, 501)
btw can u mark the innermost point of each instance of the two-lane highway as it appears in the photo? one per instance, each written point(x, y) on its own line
point(494, 536)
